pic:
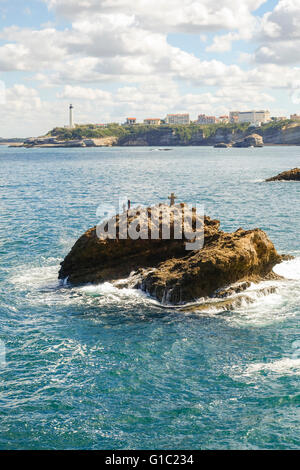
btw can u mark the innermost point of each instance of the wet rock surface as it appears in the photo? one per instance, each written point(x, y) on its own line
point(163, 267)
point(253, 140)
point(290, 175)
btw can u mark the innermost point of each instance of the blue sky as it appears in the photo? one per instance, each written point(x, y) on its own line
point(115, 58)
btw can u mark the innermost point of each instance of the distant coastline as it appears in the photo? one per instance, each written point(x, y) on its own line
point(223, 135)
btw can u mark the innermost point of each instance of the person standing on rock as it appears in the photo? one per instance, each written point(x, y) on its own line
point(172, 199)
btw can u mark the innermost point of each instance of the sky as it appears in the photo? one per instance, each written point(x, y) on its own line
point(145, 58)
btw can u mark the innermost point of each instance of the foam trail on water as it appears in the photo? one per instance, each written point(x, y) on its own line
point(255, 305)
point(35, 278)
point(108, 293)
point(289, 269)
point(285, 366)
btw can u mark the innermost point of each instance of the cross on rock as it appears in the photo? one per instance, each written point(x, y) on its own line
point(172, 199)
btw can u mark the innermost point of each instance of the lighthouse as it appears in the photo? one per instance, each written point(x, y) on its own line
point(71, 124)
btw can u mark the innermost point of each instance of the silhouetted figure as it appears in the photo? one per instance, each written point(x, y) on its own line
point(172, 199)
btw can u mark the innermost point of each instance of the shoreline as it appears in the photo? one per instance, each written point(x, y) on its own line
point(53, 146)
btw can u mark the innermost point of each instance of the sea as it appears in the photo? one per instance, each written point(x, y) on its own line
point(96, 367)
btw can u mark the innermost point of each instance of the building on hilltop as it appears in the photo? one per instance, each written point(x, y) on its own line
point(279, 118)
point(255, 118)
point(203, 119)
point(177, 118)
point(152, 121)
point(295, 117)
point(131, 120)
point(224, 119)
point(234, 117)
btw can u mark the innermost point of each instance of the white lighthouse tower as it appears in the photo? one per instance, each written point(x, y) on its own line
point(71, 123)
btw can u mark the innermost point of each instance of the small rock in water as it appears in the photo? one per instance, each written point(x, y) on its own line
point(290, 175)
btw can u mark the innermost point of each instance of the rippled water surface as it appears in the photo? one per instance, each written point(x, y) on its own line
point(100, 368)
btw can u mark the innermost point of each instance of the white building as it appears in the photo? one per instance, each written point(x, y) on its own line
point(252, 117)
point(178, 119)
point(71, 120)
point(203, 119)
point(152, 121)
point(130, 121)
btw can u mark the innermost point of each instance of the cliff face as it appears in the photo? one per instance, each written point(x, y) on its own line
point(224, 135)
point(168, 136)
point(287, 135)
point(162, 136)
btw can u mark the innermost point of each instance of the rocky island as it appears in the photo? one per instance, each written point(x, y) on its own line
point(290, 175)
point(163, 268)
point(252, 140)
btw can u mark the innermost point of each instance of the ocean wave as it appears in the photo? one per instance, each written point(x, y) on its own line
point(36, 277)
point(107, 293)
point(289, 269)
point(259, 303)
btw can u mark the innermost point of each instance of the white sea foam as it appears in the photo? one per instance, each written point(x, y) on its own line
point(285, 366)
point(36, 277)
point(108, 293)
point(254, 305)
point(289, 269)
point(41, 285)
point(66, 242)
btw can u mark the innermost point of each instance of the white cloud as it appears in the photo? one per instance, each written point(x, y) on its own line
point(13, 57)
point(126, 44)
point(223, 43)
point(78, 93)
point(176, 16)
point(284, 21)
point(280, 34)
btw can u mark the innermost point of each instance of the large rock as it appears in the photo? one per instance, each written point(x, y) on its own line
point(232, 257)
point(291, 175)
point(222, 145)
point(164, 268)
point(253, 140)
point(97, 260)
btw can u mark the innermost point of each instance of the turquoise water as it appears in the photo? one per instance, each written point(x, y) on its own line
point(98, 368)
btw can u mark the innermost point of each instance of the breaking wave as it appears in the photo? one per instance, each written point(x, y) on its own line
point(285, 366)
point(259, 304)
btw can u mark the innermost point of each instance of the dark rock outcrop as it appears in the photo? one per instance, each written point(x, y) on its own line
point(164, 268)
point(232, 257)
point(290, 175)
point(253, 140)
point(222, 145)
point(97, 260)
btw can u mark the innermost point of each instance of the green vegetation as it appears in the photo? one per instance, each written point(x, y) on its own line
point(275, 125)
point(87, 131)
point(184, 132)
